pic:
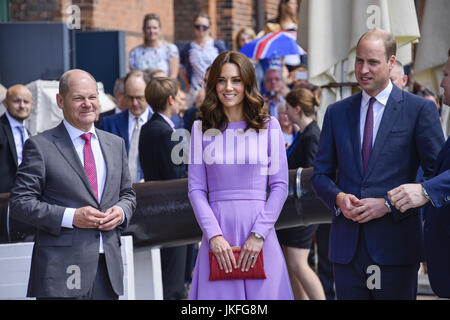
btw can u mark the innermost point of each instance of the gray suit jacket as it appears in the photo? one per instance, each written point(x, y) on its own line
point(50, 179)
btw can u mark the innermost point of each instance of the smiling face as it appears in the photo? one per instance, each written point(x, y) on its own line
point(80, 103)
point(230, 87)
point(372, 70)
point(152, 30)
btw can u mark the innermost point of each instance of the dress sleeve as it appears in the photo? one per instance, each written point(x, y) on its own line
point(278, 179)
point(198, 186)
point(132, 60)
point(173, 51)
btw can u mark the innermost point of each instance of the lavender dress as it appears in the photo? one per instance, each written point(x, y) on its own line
point(227, 190)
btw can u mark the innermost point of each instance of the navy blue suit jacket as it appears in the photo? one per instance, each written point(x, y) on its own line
point(409, 135)
point(118, 125)
point(437, 224)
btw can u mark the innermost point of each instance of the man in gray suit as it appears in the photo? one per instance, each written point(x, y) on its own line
point(74, 186)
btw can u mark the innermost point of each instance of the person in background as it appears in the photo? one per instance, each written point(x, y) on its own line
point(301, 107)
point(178, 118)
point(398, 76)
point(119, 95)
point(428, 94)
point(287, 20)
point(434, 195)
point(155, 52)
point(198, 55)
point(150, 73)
point(193, 112)
point(243, 36)
point(13, 134)
point(128, 124)
point(155, 152)
point(288, 128)
point(276, 88)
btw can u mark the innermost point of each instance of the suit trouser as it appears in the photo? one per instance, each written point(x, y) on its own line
point(173, 269)
point(364, 279)
point(101, 288)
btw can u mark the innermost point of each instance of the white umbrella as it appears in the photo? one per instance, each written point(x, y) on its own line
point(329, 30)
point(432, 50)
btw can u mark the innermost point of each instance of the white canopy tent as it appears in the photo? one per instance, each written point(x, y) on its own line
point(330, 29)
point(432, 51)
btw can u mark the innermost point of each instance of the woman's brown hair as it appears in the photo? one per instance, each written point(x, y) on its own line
point(212, 112)
point(306, 99)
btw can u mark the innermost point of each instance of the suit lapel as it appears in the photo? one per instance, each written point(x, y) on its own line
point(65, 146)
point(10, 137)
point(440, 159)
point(108, 156)
point(353, 117)
point(122, 125)
point(390, 115)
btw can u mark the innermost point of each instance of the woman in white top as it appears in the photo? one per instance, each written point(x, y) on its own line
point(155, 52)
point(200, 53)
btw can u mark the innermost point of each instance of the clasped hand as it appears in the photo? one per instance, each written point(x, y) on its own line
point(225, 257)
point(91, 218)
point(361, 210)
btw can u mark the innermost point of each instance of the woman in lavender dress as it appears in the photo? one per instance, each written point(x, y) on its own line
point(237, 150)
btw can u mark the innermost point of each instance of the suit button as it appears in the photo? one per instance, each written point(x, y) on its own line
point(363, 187)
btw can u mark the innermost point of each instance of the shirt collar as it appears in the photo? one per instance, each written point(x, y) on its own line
point(170, 122)
point(75, 132)
point(13, 122)
point(142, 117)
point(382, 97)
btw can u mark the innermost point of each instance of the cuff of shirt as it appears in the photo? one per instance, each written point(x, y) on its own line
point(67, 221)
point(123, 216)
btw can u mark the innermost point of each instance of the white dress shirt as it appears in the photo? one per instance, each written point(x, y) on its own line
point(100, 166)
point(17, 134)
point(143, 118)
point(378, 110)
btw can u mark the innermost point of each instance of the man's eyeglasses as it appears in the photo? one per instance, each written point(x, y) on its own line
point(201, 27)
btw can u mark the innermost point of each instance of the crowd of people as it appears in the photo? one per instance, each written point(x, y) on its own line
point(72, 186)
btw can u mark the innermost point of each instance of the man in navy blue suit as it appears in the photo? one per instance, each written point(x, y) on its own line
point(435, 195)
point(127, 124)
point(370, 143)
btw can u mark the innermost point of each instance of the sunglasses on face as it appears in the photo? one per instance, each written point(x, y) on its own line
point(201, 27)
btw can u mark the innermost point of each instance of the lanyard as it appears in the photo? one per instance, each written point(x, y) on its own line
point(292, 146)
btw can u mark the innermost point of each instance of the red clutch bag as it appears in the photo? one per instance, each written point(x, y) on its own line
point(257, 272)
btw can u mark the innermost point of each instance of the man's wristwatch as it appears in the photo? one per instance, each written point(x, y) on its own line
point(258, 236)
point(425, 193)
point(386, 203)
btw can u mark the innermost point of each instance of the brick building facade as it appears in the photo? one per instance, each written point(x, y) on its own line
point(227, 16)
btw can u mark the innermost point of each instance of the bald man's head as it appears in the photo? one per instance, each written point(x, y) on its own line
point(64, 81)
point(18, 102)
